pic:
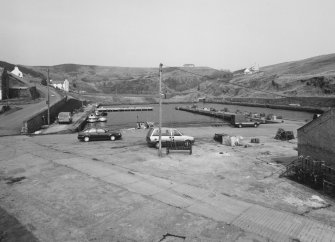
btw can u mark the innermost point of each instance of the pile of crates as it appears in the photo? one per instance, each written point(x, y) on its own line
point(329, 180)
point(284, 135)
point(314, 173)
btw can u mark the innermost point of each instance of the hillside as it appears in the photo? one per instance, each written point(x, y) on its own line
point(126, 80)
point(309, 77)
point(316, 65)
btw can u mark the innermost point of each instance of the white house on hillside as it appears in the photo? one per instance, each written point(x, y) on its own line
point(63, 85)
point(251, 70)
point(17, 72)
point(188, 65)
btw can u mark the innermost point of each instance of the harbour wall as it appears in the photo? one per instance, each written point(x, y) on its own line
point(306, 104)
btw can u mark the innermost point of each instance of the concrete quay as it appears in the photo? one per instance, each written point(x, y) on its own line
point(60, 189)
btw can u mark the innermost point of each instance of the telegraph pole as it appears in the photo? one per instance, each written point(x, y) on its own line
point(160, 110)
point(48, 81)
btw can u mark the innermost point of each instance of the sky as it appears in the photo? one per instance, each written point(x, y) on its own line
point(222, 34)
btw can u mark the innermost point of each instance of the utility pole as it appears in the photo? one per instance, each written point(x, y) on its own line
point(80, 95)
point(48, 81)
point(160, 110)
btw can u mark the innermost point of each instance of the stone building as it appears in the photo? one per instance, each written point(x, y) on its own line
point(317, 138)
point(13, 86)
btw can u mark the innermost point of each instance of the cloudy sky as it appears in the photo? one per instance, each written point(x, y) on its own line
point(223, 34)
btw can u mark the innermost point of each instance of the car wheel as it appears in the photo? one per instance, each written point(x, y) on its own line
point(86, 139)
point(112, 138)
point(255, 125)
point(240, 125)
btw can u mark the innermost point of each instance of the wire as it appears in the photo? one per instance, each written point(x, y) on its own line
point(233, 84)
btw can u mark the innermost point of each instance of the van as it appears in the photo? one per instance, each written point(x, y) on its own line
point(64, 117)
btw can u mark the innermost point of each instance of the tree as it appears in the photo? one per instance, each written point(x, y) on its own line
point(44, 82)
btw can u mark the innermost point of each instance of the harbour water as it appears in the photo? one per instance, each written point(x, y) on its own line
point(175, 118)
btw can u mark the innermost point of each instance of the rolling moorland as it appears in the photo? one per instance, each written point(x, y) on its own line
point(309, 77)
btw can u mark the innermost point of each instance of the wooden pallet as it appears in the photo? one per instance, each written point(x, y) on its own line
point(178, 145)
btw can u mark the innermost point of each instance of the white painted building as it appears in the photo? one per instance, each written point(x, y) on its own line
point(188, 65)
point(17, 72)
point(63, 85)
point(251, 70)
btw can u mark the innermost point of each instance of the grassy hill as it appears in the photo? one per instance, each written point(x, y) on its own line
point(126, 80)
point(312, 66)
point(309, 77)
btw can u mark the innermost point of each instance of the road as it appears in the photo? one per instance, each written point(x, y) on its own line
point(11, 123)
point(61, 189)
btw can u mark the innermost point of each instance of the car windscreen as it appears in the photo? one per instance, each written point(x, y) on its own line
point(165, 132)
point(63, 115)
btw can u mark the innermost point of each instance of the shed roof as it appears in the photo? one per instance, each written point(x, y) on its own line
point(330, 113)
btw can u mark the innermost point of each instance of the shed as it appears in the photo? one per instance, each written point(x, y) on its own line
point(317, 138)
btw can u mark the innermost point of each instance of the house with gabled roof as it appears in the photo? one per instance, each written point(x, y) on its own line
point(317, 138)
point(14, 86)
point(17, 72)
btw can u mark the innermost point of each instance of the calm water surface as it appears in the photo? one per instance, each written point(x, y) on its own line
point(176, 118)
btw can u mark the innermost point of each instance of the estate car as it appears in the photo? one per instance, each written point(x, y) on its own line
point(167, 134)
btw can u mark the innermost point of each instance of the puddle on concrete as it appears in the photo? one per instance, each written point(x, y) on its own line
point(172, 237)
point(12, 180)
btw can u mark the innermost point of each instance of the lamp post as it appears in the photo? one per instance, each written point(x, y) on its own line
point(48, 101)
point(160, 110)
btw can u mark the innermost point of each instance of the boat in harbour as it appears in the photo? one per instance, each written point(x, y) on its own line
point(102, 119)
point(92, 118)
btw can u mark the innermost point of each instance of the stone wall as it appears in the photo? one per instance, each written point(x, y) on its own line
point(303, 101)
point(35, 122)
point(317, 138)
point(253, 103)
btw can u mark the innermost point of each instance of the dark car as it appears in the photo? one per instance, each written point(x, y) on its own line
point(98, 134)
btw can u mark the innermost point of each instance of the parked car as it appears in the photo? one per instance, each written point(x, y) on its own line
point(98, 134)
point(64, 117)
point(240, 120)
point(167, 134)
point(247, 124)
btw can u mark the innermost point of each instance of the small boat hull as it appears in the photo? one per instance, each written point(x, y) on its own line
point(102, 119)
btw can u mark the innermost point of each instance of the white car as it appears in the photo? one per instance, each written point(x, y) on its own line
point(167, 134)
